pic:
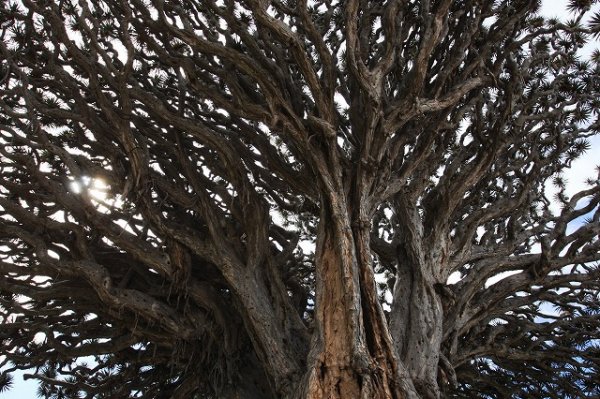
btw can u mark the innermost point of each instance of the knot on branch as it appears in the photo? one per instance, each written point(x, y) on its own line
point(362, 223)
point(326, 128)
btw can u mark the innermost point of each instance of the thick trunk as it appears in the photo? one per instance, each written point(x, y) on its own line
point(251, 383)
point(352, 354)
point(416, 319)
point(276, 331)
point(416, 323)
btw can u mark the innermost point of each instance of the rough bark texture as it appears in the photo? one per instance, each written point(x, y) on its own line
point(351, 355)
point(298, 200)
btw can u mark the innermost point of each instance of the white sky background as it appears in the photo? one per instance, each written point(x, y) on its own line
point(581, 170)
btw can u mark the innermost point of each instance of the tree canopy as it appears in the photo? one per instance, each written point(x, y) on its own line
point(298, 199)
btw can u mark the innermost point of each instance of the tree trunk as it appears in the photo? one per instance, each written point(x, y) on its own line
point(416, 320)
point(417, 329)
point(251, 383)
point(352, 354)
